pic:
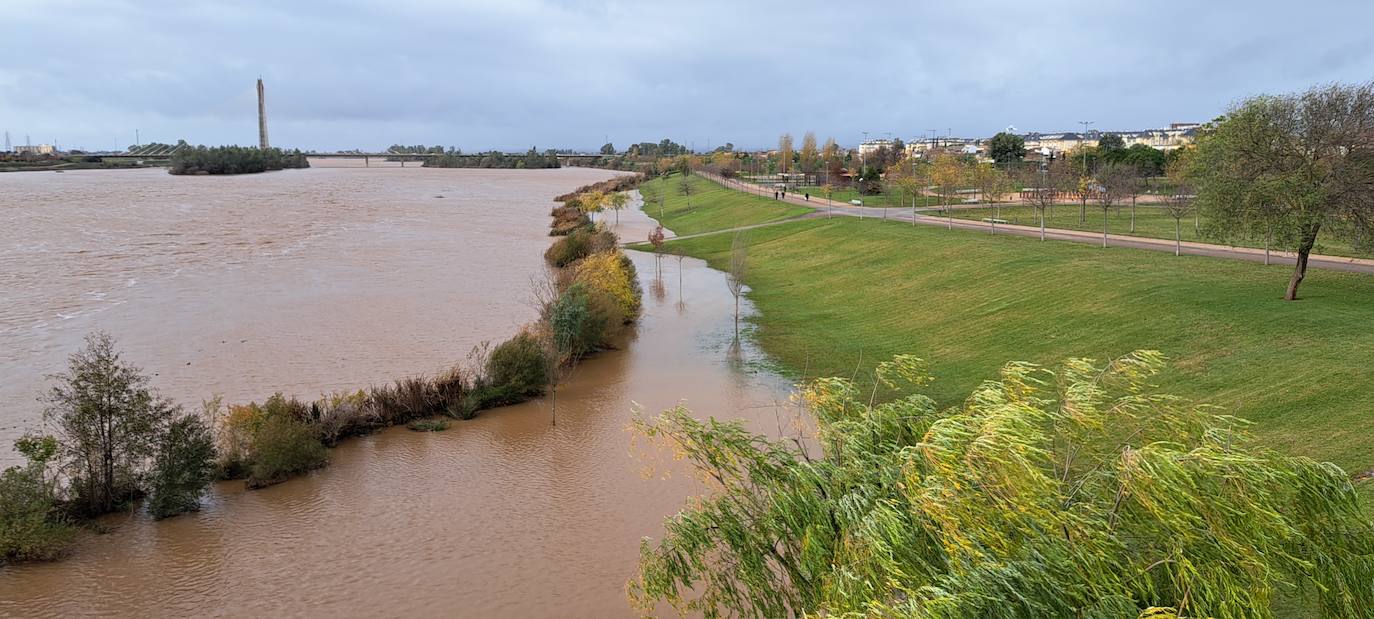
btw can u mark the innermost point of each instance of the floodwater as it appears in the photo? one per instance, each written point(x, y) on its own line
point(334, 277)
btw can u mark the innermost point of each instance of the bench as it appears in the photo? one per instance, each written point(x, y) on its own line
point(991, 220)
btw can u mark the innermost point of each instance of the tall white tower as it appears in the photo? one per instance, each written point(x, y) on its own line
point(262, 118)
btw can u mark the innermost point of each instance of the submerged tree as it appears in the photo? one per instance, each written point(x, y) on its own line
point(739, 265)
point(1076, 492)
point(1308, 158)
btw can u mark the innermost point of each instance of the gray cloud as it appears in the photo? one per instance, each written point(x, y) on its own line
point(516, 73)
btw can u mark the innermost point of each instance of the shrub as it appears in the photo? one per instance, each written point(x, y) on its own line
point(341, 415)
point(566, 219)
point(447, 389)
point(428, 425)
point(613, 274)
point(518, 368)
point(282, 448)
point(184, 466)
point(569, 249)
point(577, 330)
point(32, 528)
point(406, 399)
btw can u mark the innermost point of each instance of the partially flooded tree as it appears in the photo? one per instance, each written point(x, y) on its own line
point(739, 266)
point(616, 202)
point(1307, 156)
point(656, 237)
point(108, 421)
point(1074, 492)
point(184, 466)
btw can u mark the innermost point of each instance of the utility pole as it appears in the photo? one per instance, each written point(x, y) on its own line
point(8, 148)
point(137, 140)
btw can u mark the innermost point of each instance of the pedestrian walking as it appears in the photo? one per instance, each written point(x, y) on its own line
point(775, 194)
point(808, 196)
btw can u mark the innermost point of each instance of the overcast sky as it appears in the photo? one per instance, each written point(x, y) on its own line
point(508, 74)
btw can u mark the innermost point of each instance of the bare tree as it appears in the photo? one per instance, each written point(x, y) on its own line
point(1044, 189)
point(686, 188)
point(1179, 204)
point(739, 265)
point(1113, 183)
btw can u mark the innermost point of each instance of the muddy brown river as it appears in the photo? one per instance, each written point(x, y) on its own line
point(309, 281)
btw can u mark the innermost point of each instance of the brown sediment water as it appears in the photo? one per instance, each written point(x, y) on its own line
point(315, 280)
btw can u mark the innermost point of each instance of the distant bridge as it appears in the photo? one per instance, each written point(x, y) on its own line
point(563, 159)
point(159, 152)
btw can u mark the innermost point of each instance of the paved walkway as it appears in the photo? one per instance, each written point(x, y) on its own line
point(823, 209)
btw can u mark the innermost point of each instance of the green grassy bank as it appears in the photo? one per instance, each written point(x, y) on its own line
point(839, 294)
point(709, 206)
point(1151, 221)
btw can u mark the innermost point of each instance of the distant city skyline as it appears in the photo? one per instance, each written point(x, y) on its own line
point(570, 74)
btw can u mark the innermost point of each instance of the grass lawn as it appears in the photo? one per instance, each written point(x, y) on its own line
point(839, 294)
point(1150, 221)
point(710, 206)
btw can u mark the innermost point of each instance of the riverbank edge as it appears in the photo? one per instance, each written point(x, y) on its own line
point(456, 399)
point(445, 395)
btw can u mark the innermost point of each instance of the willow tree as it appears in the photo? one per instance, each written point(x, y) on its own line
point(1074, 492)
point(1305, 160)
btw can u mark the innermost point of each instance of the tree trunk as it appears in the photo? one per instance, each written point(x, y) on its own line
point(1104, 227)
point(1083, 212)
point(1309, 238)
point(1178, 236)
point(1132, 215)
point(1042, 224)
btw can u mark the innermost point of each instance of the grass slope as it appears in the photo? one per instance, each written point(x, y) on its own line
point(710, 207)
point(838, 294)
point(1150, 221)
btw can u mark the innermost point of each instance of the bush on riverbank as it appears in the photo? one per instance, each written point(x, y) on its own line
point(613, 274)
point(568, 219)
point(519, 367)
point(623, 182)
point(33, 527)
point(284, 447)
point(579, 244)
point(234, 160)
point(184, 466)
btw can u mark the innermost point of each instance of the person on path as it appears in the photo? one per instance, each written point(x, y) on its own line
point(808, 196)
point(775, 195)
